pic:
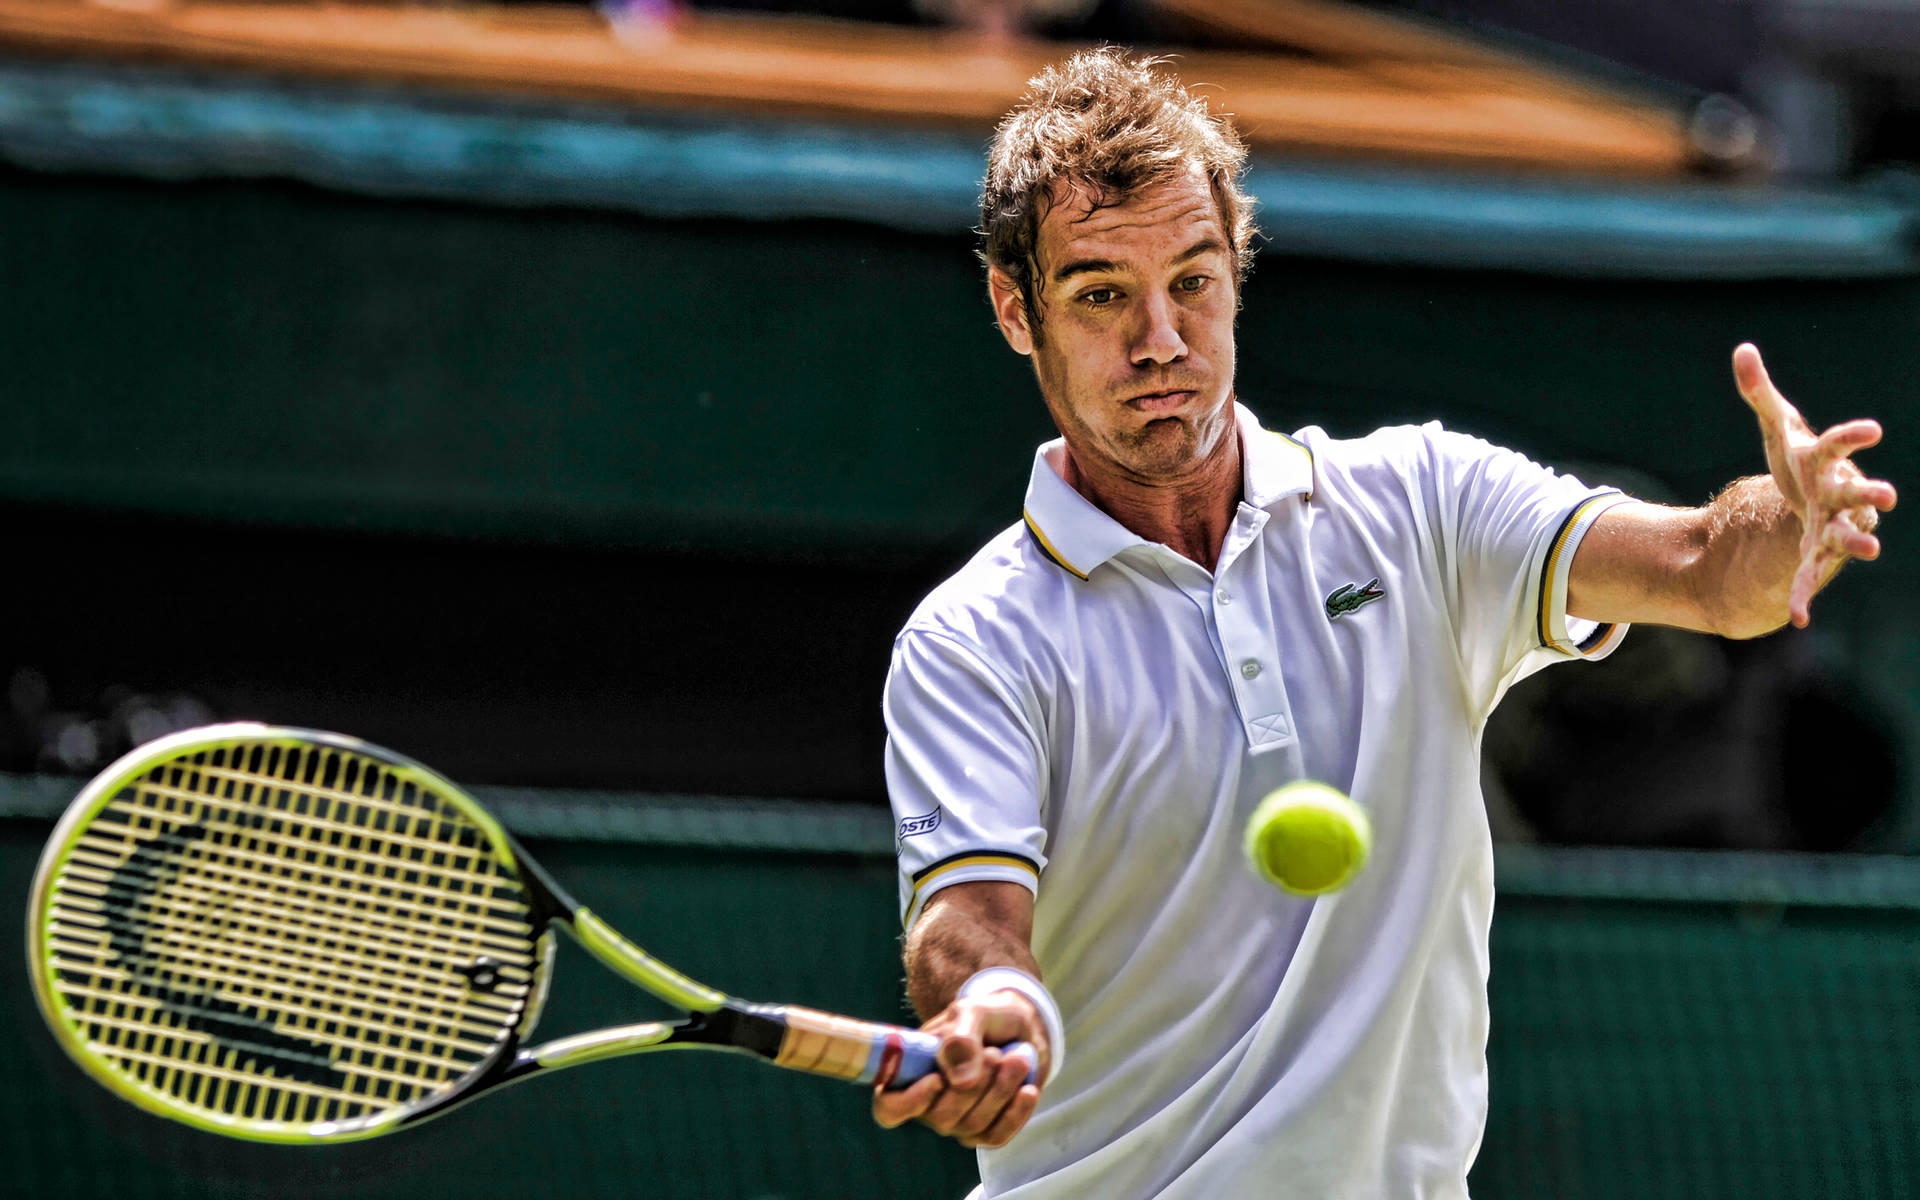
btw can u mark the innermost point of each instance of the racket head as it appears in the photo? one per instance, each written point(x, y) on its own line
point(285, 935)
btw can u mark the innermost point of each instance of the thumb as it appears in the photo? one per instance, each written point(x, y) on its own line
point(1007, 1016)
point(1756, 386)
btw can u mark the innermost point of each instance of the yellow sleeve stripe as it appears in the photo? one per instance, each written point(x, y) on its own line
point(973, 860)
point(1552, 570)
point(926, 877)
point(1603, 640)
point(1046, 546)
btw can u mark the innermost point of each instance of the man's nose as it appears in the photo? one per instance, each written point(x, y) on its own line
point(1158, 339)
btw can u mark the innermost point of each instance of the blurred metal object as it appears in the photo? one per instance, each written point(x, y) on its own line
point(1726, 134)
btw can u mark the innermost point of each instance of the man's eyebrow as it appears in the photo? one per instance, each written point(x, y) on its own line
point(1206, 245)
point(1099, 266)
point(1083, 266)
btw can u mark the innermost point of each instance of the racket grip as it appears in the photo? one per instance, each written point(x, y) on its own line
point(856, 1051)
point(917, 1058)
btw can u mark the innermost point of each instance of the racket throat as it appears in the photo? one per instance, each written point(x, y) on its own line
point(736, 1027)
point(755, 1028)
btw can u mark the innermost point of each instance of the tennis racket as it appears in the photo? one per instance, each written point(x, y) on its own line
point(284, 935)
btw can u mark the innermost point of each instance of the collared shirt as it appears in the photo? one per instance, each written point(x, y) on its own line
point(1094, 717)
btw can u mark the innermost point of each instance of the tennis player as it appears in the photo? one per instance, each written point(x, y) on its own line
point(1194, 610)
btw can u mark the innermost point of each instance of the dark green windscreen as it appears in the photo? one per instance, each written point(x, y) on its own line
point(642, 482)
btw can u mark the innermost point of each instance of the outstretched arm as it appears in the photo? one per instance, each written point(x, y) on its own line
point(979, 1096)
point(1751, 559)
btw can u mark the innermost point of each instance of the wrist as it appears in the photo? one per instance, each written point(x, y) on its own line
point(1012, 979)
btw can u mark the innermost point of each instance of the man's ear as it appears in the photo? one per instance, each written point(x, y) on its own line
point(1010, 310)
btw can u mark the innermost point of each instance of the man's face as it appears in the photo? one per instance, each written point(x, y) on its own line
point(1135, 347)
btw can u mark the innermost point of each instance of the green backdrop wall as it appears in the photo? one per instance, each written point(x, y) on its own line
point(273, 354)
point(470, 479)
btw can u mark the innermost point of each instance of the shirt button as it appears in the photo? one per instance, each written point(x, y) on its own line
point(1223, 596)
point(1250, 668)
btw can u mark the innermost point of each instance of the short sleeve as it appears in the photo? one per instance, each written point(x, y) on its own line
point(965, 766)
point(1511, 527)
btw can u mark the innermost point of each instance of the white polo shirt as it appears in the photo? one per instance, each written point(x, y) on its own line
point(1093, 716)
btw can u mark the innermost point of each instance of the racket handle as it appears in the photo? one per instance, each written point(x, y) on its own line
point(917, 1058)
point(853, 1050)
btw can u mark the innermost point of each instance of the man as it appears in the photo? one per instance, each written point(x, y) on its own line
point(1082, 718)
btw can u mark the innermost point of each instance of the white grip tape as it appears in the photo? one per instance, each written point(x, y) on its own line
point(1012, 979)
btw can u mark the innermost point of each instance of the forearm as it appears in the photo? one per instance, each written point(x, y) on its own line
point(965, 929)
point(984, 1091)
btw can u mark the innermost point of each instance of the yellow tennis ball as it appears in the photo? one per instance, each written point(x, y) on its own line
point(1308, 838)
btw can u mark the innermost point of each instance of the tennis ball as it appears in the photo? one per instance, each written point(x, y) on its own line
point(1308, 838)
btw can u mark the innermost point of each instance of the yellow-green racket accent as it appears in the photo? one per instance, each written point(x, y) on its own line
point(602, 1043)
point(279, 937)
point(636, 964)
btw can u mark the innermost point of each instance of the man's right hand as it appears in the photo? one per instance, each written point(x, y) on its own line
point(979, 1096)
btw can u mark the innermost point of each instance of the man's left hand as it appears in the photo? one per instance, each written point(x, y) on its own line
point(1838, 505)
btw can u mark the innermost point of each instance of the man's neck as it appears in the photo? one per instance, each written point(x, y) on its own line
point(1190, 515)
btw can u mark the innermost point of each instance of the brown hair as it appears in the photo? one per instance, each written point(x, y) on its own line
point(1113, 123)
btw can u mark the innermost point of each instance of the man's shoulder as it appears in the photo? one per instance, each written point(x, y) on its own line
point(1404, 452)
point(1388, 443)
point(1391, 451)
point(1006, 580)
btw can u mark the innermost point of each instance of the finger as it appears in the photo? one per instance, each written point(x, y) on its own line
point(1840, 536)
point(1010, 1073)
point(949, 1114)
point(1848, 437)
point(1843, 537)
point(1031, 1059)
point(895, 1108)
point(962, 1049)
point(1756, 387)
point(1854, 491)
point(1012, 1118)
point(1800, 599)
point(1806, 577)
point(1861, 545)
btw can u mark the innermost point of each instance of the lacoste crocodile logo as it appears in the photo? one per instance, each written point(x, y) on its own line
point(1350, 597)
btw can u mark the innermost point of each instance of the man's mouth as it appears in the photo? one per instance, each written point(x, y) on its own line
point(1159, 402)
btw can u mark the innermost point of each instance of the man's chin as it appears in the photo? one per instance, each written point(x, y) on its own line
point(1167, 446)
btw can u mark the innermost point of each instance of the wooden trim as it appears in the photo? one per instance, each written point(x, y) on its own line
point(1454, 107)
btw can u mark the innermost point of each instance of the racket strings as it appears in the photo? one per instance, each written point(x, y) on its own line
point(290, 934)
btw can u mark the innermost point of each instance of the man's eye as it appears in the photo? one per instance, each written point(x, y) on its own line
point(1099, 296)
point(1193, 283)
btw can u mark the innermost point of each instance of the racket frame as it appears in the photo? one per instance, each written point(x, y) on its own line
point(716, 1021)
point(104, 788)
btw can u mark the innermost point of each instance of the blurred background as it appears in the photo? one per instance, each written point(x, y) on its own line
point(579, 398)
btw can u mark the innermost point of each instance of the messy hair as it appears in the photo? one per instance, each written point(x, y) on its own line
point(1111, 123)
